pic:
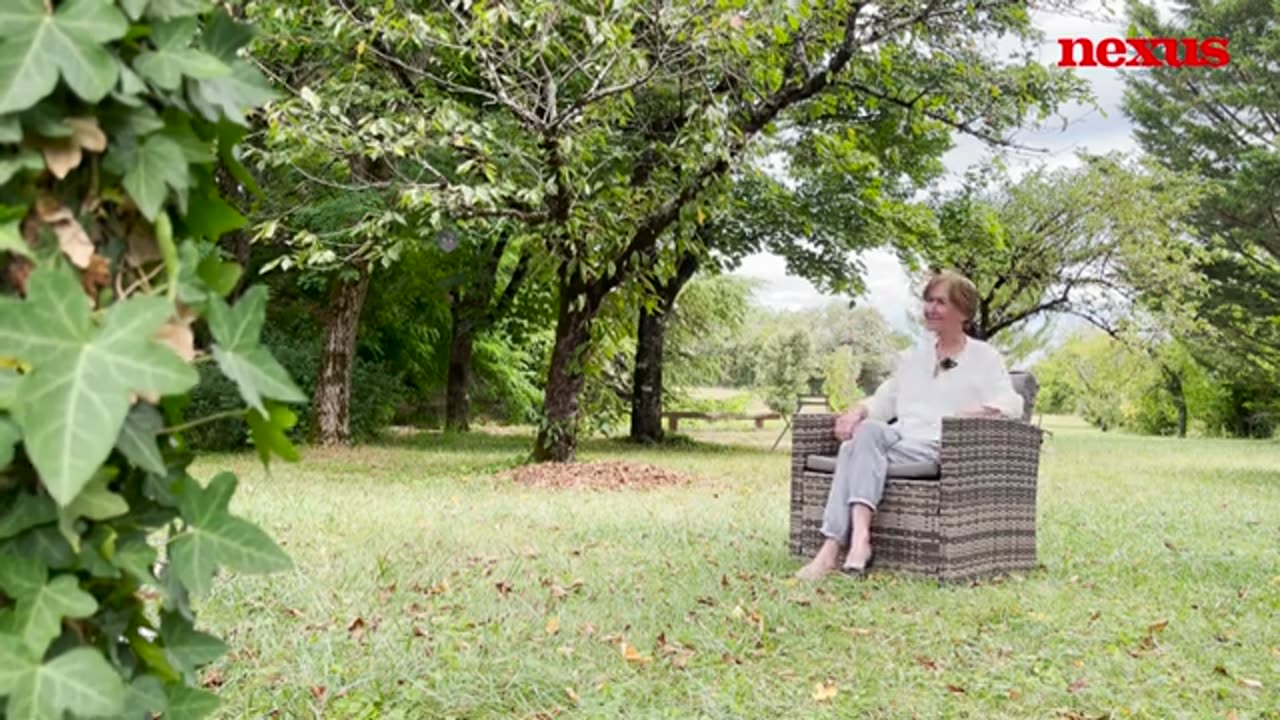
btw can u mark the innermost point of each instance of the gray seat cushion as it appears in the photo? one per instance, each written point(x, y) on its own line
point(913, 471)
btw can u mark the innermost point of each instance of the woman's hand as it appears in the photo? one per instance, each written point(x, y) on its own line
point(847, 424)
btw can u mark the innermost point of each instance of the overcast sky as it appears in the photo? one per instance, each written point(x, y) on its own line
point(889, 290)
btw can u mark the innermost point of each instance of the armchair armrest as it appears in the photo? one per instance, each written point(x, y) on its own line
point(988, 496)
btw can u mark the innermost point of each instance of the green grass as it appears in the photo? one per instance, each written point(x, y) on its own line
point(1134, 532)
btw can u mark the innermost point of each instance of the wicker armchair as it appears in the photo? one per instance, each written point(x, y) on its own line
point(971, 515)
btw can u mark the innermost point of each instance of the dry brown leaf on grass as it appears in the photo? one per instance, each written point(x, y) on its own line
point(1077, 686)
point(553, 625)
point(1250, 683)
point(1157, 626)
point(62, 155)
point(825, 692)
point(573, 696)
point(73, 241)
point(634, 656)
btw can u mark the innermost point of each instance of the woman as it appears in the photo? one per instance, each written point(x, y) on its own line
point(950, 375)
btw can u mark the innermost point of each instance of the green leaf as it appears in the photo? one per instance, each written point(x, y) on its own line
point(268, 432)
point(96, 502)
point(229, 134)
point(236, 331)
point(26, 511)
point(138, 438)
point(39, 47)
point(38, 615)
point(145, 697)
point(188, 703)
point(11, 230)
point(11, 165)
point(74, 403)
point(79, 681)
point(224, 37)
point(209, 218)
point(214, 537)
point(136, 558)
point(44, 543)
point(22, 577)
point(10, 129)
point(134, 8)
point(232, 96)
point(176, 8)
point(188, 649)
point(158, 166)
point(10, 436)
point(167, 67)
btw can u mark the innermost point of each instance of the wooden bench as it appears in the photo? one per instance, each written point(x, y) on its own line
point(674, 417)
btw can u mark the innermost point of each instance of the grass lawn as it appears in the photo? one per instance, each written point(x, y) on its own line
point(427, 588)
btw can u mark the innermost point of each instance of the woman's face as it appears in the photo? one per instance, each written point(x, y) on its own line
point(940, 315)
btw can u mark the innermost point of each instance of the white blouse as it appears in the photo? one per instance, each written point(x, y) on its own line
point(919, 399)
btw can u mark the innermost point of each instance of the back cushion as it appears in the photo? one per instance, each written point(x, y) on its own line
point(1027, 386)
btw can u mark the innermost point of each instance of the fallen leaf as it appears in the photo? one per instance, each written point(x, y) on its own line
point(356, 627)
point(293, 612)
point(73, 241)
point(862, 632)
point(631, 655)
point(1094, 617)
point(61, 156)
point(87, 134)
point(318, 692)
point(825, 692)
point(96, 276)
point(1158, 626)
point(1077, 686)
point(590, 629)
point(955, 690)
point(927, 663)
point(565, 650)
point(419, 632)
point(573, 696)
point(504, 588)
point(212, 679)
point(178, 336)
point(1014, 694)
point(553, 625)
point(724, 581)
point(1251, 684)
point(1232, 715)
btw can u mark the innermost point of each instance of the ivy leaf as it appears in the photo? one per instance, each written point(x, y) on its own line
point(223, 37)
point(39, 47)
point(214, 537)
point(209, 218)
point(9, 381)
point(73, 404)
point(158, 166)
point(176, 8)
point(138, 438)
point(188, 649)
point(236, 331)
point(268, 432)
point(96, 502)
point(167, 66)
point(26, 511)
point(145, 697)
point(41, 605)
point(188, 703)
point(44, 543)
point(232, 95)
point(134, 8)
point(136, 558)
point(79, 681)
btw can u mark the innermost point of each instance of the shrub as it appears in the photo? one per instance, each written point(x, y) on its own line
point(108, 210)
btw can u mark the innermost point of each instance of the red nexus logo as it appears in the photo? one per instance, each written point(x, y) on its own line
point(1114, 52)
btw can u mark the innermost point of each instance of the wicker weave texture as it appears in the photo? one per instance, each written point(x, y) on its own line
point(978, 520)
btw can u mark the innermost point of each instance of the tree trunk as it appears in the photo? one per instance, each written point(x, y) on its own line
point(458, 395)
point(646, 388)
point(558, 437)
point(332, 402)
point(1174, 385)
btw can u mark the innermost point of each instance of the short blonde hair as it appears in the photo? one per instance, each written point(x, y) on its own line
point(960, 290)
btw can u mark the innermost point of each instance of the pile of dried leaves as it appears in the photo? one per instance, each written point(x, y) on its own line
point(611, 475)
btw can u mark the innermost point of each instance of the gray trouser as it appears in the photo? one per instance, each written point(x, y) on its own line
point(861, 470)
